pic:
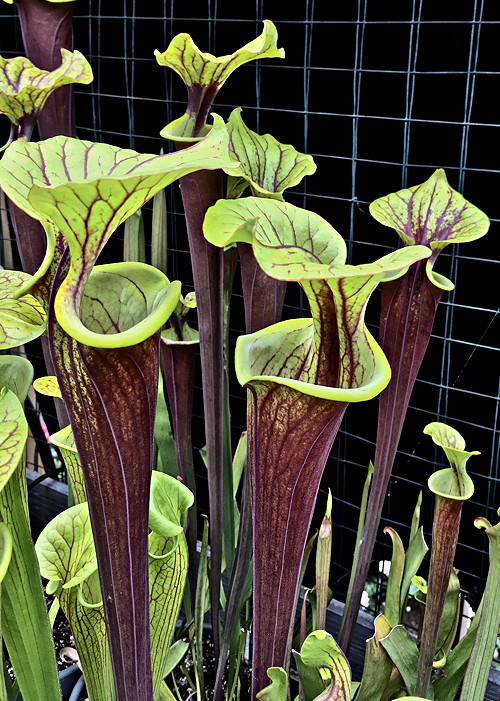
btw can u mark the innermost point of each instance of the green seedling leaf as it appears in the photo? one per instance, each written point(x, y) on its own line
point(393, 596)
point(165, 447)
point(169, 500)
point(403, 651)
point(449, 621)
point(278, 688)
point(417, 549)
point(5, 555)
point(266, 166)
point(175, 655)
point(21, 320)
point(476, 677)
point(453, 482)
point(320, 650)
point(134, 246)
point(48, 385)
point(24, 88)
point(65, 441)
point(25, 626)
point(204, 75)
point(359, 536)
point(159, 232)
point(13, 434)
point(377, 666)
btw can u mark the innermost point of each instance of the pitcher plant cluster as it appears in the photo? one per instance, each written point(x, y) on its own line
point(121, 560)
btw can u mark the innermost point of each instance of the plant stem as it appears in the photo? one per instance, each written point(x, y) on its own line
point(406, 319)
point(445, 529)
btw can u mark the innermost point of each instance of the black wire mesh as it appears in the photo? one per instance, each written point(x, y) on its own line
point(381, 94)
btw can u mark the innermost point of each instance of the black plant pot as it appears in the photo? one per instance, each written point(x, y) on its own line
point(72, 685)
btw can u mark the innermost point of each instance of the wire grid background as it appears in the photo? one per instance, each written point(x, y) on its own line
point(381, 93)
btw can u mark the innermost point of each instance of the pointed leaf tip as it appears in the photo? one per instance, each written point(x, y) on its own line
point(432, 214)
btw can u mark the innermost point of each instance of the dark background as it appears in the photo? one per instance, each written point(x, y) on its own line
point(381, 93)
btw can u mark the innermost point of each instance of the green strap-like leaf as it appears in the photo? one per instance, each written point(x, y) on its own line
point(23, 319)
point(476, 677)
point(377, 665)
point(393, 595)
point(267, 166)
point(13, 434)
point(24, 88)
point(204, 74)
point(321, 650)
point(65, 441)
point(5, 549)
point(403, 651)
point(65, 547)
point(453, 482)
point(25, 626)
point(415, 553)
point(431, 214)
